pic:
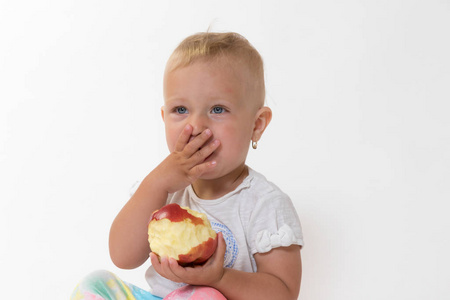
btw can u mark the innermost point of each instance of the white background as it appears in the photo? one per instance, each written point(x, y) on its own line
point(360, 138)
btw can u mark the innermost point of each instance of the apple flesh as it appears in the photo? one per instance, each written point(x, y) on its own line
point(181, 233)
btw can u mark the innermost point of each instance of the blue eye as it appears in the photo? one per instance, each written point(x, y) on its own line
point(218, 110)
point(181, 110)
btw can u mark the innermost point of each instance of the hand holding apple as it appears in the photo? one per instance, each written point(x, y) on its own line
point(181, 233)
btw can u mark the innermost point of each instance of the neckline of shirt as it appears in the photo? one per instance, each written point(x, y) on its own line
point(244, 184)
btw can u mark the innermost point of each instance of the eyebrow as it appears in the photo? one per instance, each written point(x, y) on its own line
point(174, 99)
point(213, 98)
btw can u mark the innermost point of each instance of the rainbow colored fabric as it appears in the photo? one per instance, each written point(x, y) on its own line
point(104, 285)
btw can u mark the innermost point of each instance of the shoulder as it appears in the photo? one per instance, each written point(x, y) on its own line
point(180, 197)
point(265, 192)
point(265, 201)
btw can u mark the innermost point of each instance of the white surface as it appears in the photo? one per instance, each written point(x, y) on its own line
point(360, 137)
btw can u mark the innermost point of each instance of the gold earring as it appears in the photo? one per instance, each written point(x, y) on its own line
point(254, 145)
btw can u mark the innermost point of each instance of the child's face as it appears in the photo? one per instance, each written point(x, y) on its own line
point(217, 96)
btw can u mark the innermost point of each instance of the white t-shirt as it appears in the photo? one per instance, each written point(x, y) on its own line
point(254, 218)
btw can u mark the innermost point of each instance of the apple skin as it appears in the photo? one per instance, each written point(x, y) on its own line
point(175, 213)
point(200, 253)
point(181, 233)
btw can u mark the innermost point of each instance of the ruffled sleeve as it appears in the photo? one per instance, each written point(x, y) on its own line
point(266, 241)
point(274, 223)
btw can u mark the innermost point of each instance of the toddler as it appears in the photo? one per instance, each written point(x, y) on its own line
point(213, 110)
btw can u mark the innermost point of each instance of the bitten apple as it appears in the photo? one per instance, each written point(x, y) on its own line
point(181, 233)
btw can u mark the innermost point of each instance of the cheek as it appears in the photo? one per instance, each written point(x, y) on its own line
point(172, 134)
point(234, 139)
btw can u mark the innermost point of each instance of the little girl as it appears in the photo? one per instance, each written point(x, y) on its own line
point(213, 110)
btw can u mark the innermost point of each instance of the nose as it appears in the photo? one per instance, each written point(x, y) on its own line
point(199, 123)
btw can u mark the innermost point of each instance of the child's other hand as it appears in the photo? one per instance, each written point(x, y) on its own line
point(187, 162)
point(207, 274)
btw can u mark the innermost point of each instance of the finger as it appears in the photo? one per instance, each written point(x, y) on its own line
point(154, 258)
point(177, 270)
point(164, 269)
point(206, 150)
point(201, 169)
point(199, 141)
point(184, 137)
point(218, 256)
point(189, 275)
point(201, 155)
point(156, 263)
point(173, 269)
point(221, 246)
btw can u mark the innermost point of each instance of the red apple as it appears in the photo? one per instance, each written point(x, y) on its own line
point(181, 233)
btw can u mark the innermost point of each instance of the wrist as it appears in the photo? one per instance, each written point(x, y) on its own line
point(156, 184)
point(217, 283)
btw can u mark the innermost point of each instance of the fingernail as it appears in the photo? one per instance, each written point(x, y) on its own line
point(207, 131)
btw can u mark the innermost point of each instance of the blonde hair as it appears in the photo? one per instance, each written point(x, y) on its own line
point(212, 46)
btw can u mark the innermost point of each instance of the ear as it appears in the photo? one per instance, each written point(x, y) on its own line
point(162, 113)
point(262, 120)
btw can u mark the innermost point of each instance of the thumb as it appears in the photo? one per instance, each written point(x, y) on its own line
point(221, 246)
point(218, 256)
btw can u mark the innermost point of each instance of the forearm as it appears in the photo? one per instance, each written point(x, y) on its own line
point(237, 285)
point(128, 239)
